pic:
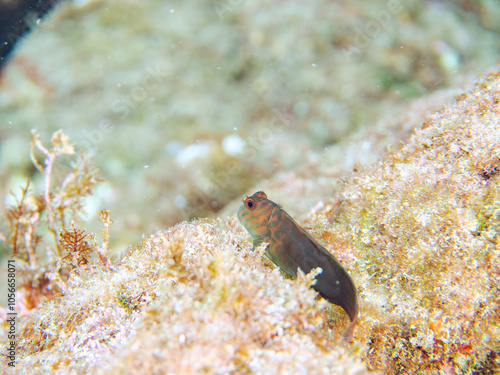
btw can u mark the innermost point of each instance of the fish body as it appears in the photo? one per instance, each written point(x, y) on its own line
point(291, 247)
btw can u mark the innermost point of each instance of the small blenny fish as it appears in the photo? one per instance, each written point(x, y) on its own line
point(291, 247)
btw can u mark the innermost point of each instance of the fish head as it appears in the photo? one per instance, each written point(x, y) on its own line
point(254, 213)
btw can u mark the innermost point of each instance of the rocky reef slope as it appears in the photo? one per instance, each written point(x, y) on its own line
point(418, 231)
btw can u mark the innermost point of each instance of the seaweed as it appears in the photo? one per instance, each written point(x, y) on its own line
point(34, 218)
point(23, 218)
point(74, 241)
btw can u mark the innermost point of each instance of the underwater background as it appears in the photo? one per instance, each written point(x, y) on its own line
point(185, 108)
point(188, 105)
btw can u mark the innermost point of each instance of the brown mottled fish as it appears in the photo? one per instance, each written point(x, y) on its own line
point(291, 247)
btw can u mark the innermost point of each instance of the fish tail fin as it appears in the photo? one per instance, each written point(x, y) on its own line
point(350, 329)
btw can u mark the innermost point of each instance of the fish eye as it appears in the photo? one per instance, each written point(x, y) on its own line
point(250, 204)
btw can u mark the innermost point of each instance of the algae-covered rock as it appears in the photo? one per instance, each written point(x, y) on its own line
point(417, 231)
point(421, 224)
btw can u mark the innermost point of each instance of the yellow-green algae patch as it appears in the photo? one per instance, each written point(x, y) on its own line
point(430, 249)
point(418, 232)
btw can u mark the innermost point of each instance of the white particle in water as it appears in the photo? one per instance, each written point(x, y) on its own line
point(180, 201)
point(232, 145)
